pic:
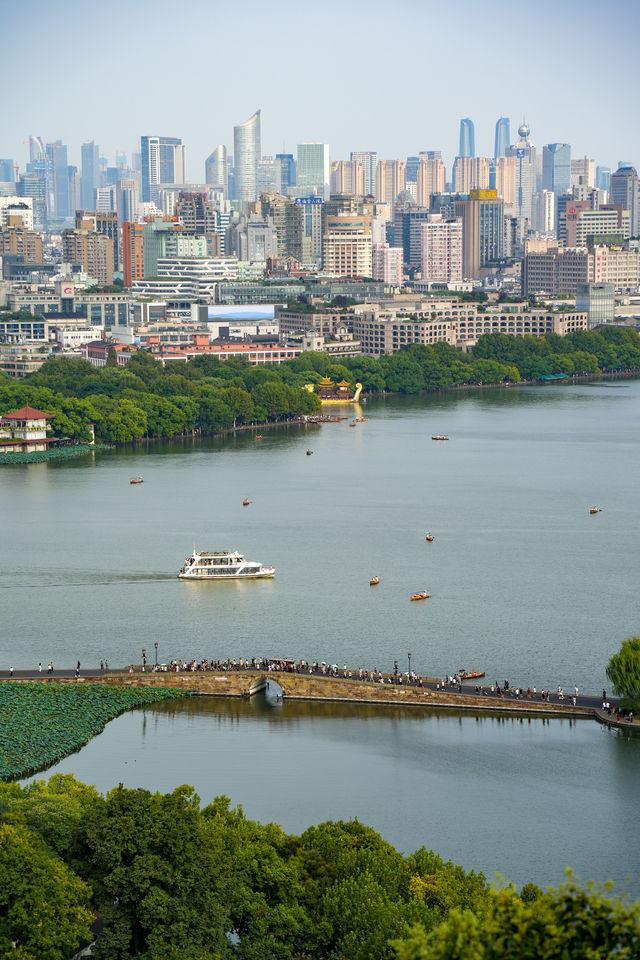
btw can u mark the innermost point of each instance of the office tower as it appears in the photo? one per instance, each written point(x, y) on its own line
point(430, 178)
point(482, 230)
point(556, 167)
point(525, 153)
point(247, 150)
point(287, 170)
point(543, 211)
point(624, 190)
point(347, 176)
point(57, 154)
point(603, 178)
point(346, 247)
point(467, 146)
point(163, 161)
point(314, 169)
point(33, 186)
point(470, 173)
point(369, 161)
point(216, 168)
point(197, 213)
point(441, 255)
point(390, 180)
point(90, 176)
point(7, 171)
point(411, 169)
point(503, 137)
point(127, 199)
point(268, 175)
point(583, 172)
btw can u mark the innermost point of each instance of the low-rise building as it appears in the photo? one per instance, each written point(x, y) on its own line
point(97, 352)
point(24, 431)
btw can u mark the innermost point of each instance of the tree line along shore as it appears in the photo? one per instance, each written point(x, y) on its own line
point(208, 396)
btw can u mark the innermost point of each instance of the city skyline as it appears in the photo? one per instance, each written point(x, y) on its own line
point(387, 120)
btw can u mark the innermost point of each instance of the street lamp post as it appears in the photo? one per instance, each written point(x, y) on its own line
point(156, 646)
point(409, 655)
point(144, 658)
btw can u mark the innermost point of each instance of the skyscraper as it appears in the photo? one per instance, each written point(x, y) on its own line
point(7, 171)
point(390, 180)
point(556, 167)
point(287, 170)
point(314, 168)
point(503, 137)
point(624, 189)
point(247, 151)
point(90, 176)
point(216, 168)
point(163, 161)
point(603, 178)
point(57, 153)
point(467, 139)
point(369, 161)
point(525, 154)
point(430, 178)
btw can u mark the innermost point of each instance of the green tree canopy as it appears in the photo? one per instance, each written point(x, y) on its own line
point(623, 671)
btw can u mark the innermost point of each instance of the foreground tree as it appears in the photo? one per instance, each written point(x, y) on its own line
point(571, 923)
point(43, 905)
point(623, 671)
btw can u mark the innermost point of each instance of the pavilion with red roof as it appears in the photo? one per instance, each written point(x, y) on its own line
point(24, 431)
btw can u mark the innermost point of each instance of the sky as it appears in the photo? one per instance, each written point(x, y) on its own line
point(395, 77)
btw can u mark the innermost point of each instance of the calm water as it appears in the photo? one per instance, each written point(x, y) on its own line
point(524, 583)
point(522, 798)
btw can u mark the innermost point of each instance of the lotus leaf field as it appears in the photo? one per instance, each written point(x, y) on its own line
point(40, 723)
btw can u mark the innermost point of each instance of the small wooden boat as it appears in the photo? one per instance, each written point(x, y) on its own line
point(440, 438)
point(595, 510)
point(258, 436)
point(420, 596)
point(353, 424)
point(471, 674)
point(374, 581)
point(309, 452)
point(429, 537)
point(136, 480)
point(246, 502)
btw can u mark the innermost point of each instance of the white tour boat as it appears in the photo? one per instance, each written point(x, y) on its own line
point(222, 565)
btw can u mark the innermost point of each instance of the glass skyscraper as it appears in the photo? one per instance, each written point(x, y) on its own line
point(216, 168)
point(556, 167)
point(467, 139)
point(162, 162)
point(503, 137)
point(90, 177)
point(314, 169)
point(247, 151)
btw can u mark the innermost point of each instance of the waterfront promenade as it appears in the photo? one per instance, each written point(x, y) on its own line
point(305, 682)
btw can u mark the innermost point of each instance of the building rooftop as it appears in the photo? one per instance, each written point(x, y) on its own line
point(27, 413)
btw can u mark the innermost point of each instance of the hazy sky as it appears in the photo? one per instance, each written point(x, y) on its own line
point(395, 77)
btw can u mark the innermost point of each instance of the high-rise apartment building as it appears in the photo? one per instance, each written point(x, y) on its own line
point(624, 189)
point(467, 146)
point(556, 167)
point(313, 171)
point(471, 173)
point(347, 176)
point(502, 179)
point(90, 175)
point(390, 180)
point(441, 259)
point(92, 251)
point(369, 161)
point(216, 168)
point(104, 222)
point(163, 161)
point(287, 218)
point(502, 138)
point(247, 150)
point(543, 211)
point(386, 264)
point(430, 178)
point(525, 153)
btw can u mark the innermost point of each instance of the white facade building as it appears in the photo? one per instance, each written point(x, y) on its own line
point(441, 244)
point(386, 264)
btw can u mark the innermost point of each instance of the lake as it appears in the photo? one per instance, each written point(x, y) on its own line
point(523, 798)
point(524, 583)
